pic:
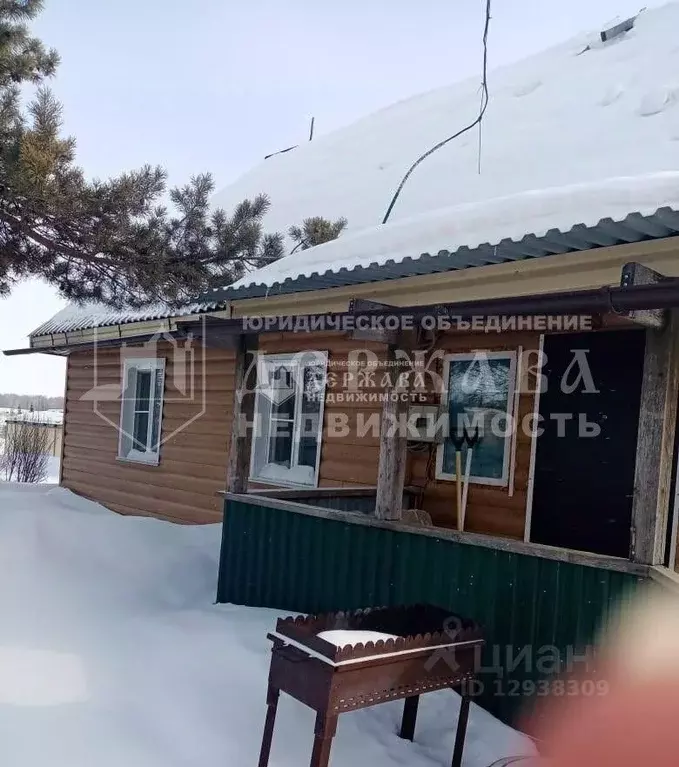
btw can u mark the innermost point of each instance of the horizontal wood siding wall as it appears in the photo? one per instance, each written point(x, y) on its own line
point(346, 460)
point(193, 456)
point(350, 459)
point(490, 509)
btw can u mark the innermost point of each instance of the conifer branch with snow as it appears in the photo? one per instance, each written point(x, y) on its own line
point(113, 240)
point(315, 231)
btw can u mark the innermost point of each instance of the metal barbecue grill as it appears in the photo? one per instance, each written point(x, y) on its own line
point(427, 649)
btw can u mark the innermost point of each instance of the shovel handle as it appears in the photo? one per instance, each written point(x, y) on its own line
point(458, 488)
point(465, 487)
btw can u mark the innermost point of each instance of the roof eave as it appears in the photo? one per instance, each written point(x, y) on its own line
point(50, 329)
point(119, 332)
point(635, 227)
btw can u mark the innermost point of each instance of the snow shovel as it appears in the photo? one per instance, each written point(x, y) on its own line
point(471, 443)
point(458, 441)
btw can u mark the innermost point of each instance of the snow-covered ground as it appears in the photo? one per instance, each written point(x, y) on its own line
point(53, 464)
point(112, 653)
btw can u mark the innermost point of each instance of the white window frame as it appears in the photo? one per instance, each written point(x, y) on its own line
point(510, 355)
point(128, 409)
point(290, 359)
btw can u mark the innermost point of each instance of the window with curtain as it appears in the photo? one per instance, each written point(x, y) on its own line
point(479, 399)
point(141, 410)
point(286, 445)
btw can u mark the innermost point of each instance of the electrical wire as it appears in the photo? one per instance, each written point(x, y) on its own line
point(471, 126)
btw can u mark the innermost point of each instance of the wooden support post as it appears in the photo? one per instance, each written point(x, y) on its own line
point(655, 444)
point(393, 448)
point(243, 415)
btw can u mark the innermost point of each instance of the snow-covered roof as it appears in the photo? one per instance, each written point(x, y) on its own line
point(582, 132)
point(49, 417)
point(94, 315)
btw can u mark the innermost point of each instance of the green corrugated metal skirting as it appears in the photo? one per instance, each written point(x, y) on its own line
point(301, 563)
point(363, 504)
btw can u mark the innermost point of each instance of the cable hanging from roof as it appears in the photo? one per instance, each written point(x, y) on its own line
point(471, 126)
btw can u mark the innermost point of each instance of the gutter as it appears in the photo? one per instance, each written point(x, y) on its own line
point(129, 340)
point(604, 300)
point(110, 335)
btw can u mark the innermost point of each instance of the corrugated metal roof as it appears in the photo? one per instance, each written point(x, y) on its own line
point(42, 417)
point(635, 227)
point(90, 316)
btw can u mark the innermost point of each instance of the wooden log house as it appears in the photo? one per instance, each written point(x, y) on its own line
point(599, 503)
point(266, 405)
point(626, 372)
point(153, 408)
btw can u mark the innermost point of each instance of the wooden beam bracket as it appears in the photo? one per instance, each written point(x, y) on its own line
point(634, 274)
point(360, 306)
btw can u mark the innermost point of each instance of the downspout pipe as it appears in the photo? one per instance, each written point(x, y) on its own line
point(604, 300)
point(662, 295)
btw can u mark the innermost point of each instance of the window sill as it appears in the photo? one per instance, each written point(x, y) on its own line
point(155, 461)
point(483, 481)
point(281, 483)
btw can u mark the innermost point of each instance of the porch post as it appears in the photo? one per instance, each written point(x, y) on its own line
point(243, 414)
point(393, 449)
point(655, 444)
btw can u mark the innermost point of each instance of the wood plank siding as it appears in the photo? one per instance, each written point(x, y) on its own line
point(193, 456)
point(348, 459)
point(490, 509)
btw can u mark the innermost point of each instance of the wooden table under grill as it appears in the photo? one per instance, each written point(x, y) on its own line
point(432, 649)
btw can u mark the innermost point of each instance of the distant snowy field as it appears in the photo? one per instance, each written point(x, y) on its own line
point(112, 653)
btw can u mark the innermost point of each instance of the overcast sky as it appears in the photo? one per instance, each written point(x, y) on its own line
point(214, 85)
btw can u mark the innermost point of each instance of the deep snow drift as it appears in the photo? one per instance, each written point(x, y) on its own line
point(112, 653)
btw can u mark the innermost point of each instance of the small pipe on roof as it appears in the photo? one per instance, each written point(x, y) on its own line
point(618, 29)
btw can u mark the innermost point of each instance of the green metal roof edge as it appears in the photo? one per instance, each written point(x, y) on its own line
point(635, 227)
